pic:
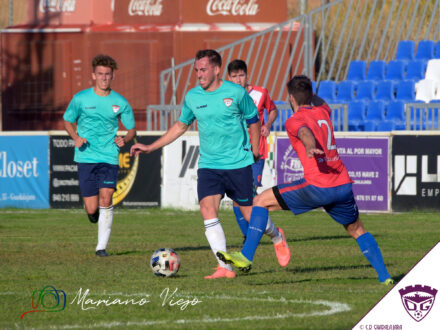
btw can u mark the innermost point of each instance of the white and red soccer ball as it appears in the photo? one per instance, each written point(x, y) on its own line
point(165, 262)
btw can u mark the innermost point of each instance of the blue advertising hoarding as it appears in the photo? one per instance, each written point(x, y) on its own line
point(24, 171)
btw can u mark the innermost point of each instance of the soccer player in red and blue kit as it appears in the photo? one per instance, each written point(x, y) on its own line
point(326, 182)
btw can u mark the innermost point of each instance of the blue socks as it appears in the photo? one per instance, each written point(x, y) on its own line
point(257, 226)
point(371, 251)
point(242, 223)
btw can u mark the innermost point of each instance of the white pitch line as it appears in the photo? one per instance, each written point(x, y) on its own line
point(333, 308)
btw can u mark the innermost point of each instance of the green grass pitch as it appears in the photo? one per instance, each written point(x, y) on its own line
point(327, 285)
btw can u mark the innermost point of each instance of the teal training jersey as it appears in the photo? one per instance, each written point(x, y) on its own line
point(97, 118)
point(221, 120)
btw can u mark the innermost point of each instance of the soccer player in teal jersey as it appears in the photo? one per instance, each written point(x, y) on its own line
point(92, 120)
point(223, 110)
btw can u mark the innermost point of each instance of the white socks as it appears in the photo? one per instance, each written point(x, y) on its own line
point(104, 226)
point(273, 232)
point(216, 238)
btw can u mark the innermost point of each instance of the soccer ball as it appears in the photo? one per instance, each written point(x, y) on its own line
point(165, 262)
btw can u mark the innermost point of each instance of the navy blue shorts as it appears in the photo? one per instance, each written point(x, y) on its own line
point(236, 184)
point(257, 172)
point(300, 196)
point(93, 176)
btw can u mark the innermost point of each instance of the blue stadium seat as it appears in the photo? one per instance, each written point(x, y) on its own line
point(396, 113)
point(376, 70)
point(425, 50)
point(356, 70)
point(314, 86)
point(345, 91)
point(437, 50)
point(405, 50)
point(356, 115)
point(366, 90)
point(395, 70)
point(386, 126)
point(415, 70)
point(385, 90)
point(375, 114)
point(327, 90)
point(406, 91)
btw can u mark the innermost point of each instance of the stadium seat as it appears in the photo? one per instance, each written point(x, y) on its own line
point(425, 50)
point(314, 86)
point(433, 70)
point(385, 91)
point(327, 90)
point(375, 114)
point(415, 70)
point(437, 50)
point(396, 113)
point(405, 50)
point(345, 91)
point(356, 70)
point(385, 126)
point(395, 70)
point(356, 115)
point(376, 70)
point(426, 90)
point(406, 91)
point(366, 90)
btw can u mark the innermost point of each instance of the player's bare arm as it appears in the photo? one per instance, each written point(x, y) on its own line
point(254, 129)
point(265, 129)
point(122, 141)
point(307, 138)
point(71, 130)
point(172, 134)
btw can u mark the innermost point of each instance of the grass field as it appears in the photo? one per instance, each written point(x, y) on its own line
point(327, 285)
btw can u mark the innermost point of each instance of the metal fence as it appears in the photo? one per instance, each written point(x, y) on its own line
point(161, 117)
point(320, 44)
point(422, 116)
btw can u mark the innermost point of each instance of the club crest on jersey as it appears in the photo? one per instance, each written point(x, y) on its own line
point(115, 108)
point(228, 102)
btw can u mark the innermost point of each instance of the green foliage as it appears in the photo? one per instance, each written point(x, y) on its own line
point(56, 247)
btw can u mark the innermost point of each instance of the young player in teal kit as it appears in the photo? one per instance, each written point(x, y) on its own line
point(96, 112)
point(326, 181)
point(222, 109)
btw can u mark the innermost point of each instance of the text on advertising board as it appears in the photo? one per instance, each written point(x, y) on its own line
point(145, 7)
point(57, 6)
point(232, 7)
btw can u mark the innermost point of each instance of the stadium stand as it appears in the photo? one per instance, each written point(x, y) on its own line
point(366, 90)
point(405, 91)
point(345, 91)
point(356, 115)
point(433, 70)
point(426, 90)
point(425, 50)
point(405, 50)
point(437, 50)
point(415, 70)
point(375, 115)
point(396, 114)
point(395, 70)
point(357, 70)
point(385, 90)
point(327, 90)
point(376, 70)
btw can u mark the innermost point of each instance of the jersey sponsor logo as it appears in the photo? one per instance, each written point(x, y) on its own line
point(115, 108)
point(202, 106)
point(232, 7)
point(90, 108)
point(145, 7)
point(228, 101)
point(418, 300)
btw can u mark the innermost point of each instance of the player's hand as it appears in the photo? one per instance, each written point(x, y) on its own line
point(139, 148)
point(119, 140)
point(311, 152)
point(79, 141)
point(265, 131)
point(256, 157)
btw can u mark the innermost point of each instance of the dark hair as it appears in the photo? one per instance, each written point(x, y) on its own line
point(300, 87)
point(104, 60)
point(237, 65)
point(212, 55)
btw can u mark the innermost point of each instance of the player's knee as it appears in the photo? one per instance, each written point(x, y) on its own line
point(259, 201)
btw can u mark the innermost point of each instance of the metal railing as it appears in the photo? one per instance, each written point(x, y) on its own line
point(161, 117)
point(320, 44)
point(422, 116)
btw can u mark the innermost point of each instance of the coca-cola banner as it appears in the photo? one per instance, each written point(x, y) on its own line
point(63, 12)
point(199, 11)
